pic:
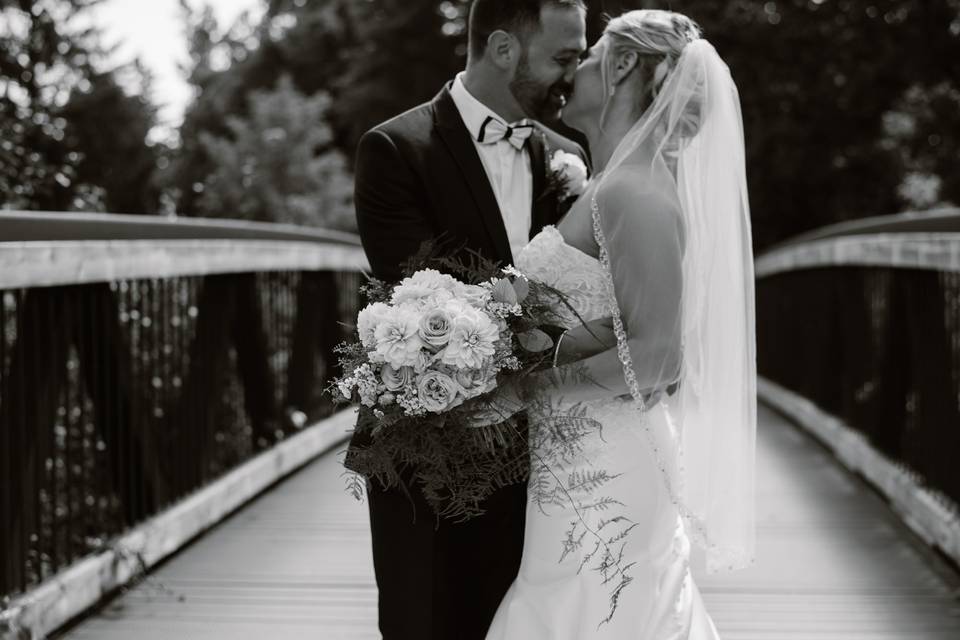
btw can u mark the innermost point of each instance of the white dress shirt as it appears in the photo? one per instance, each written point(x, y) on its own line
point(507, 167)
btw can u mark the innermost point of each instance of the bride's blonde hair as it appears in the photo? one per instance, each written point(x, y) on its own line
point(658, 37)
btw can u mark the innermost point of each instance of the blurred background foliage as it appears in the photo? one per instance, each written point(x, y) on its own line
point(56, 104)
point(851, 107)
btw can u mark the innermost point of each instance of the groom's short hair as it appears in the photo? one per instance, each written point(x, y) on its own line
point(519, 17)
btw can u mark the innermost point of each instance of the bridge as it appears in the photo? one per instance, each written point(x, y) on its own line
point(169, 467)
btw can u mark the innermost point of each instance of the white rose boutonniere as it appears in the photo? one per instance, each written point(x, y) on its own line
point(568, 175)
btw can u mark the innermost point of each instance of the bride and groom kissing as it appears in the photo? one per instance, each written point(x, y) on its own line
point(654, 254)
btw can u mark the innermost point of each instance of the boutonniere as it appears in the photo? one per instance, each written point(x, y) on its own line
point(566, 176)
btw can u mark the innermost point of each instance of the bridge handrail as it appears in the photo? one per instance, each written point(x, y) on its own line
point(944, 219)
point(859, 320)
point(41, 250)
point(902, 250)
point(28, 226)
point(914, 240)
point(141, 358)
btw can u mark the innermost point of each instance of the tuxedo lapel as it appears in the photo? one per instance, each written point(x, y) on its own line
point(542, 211)
point(455, 136)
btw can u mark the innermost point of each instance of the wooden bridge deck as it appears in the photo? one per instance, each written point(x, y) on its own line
point(834, 563)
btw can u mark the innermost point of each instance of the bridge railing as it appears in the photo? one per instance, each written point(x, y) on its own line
point(863, 319)
point(140, 358)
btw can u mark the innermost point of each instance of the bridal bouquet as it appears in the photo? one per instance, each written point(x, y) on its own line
point(436, 343)
point(427, 353)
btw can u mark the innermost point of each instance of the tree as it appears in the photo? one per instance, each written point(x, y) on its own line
point(269, 168)
point(819, 81)
point(921, 130)
point(404, 51)
point(120, 163)
point(53, 102)
point(226, 66)
point(42, 56)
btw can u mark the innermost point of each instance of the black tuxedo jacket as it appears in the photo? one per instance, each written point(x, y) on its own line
point(419, 177)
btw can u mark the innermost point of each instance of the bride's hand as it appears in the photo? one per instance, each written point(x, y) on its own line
point(502, 404)
point(585, 340)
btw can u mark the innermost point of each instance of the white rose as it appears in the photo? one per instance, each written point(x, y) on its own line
point(476, 382)
point(437, 391)
point(571, 169)
point(396, 379)
point(435, 327)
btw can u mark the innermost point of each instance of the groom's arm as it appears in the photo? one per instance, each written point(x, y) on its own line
point(389, 205)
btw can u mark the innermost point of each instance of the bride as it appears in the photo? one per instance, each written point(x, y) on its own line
point(659, 243)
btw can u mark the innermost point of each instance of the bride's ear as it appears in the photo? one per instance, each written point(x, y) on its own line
point(624, 63)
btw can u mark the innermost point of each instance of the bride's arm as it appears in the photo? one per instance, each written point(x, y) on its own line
point(641, 228)
point(585, 340)
point(644, 243)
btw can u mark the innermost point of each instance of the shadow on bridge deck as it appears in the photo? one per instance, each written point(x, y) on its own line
point(834, 563)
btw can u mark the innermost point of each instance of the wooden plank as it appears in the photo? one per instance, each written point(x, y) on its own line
point(919, 507)
point(295, 564)
point(81, 586)
point(834, 560)
point(834, 563)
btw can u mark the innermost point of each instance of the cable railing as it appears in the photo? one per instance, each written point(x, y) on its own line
point(863, 320)
point(141, 358)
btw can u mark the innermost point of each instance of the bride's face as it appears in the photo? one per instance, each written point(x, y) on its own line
point(586, 103)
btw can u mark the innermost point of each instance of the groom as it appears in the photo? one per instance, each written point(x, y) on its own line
point(470, 168)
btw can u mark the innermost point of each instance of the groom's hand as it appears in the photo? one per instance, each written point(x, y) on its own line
point(502, 404)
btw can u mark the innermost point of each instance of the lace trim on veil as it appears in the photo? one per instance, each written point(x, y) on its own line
point(695, 527)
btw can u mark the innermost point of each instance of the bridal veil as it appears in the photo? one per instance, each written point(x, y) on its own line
point(672, 219)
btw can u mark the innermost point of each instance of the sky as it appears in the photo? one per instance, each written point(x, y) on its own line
point(153, 31)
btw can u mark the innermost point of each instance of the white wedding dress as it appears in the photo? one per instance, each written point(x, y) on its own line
point(559, 593)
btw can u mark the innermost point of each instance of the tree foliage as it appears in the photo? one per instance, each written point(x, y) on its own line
point(823, 84)
point(267, 168)
point(107, 129)
point(55, 103)
point(819, 81)
point(850, 106)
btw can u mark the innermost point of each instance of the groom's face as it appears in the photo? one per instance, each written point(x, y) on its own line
point(543, 80)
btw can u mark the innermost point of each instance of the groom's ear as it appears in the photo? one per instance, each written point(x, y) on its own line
point(623, 64)
point(503, 49)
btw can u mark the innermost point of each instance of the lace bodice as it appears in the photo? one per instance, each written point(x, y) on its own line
point(549, 259)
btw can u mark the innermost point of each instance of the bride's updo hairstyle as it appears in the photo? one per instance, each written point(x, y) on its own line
point(659, 38)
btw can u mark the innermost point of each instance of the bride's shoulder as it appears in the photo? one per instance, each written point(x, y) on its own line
point(631, 189)
point(630, 181)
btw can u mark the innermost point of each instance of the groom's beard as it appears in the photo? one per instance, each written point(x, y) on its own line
point(538, 100)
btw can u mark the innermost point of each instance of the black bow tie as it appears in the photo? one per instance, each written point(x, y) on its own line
point(494, 130)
